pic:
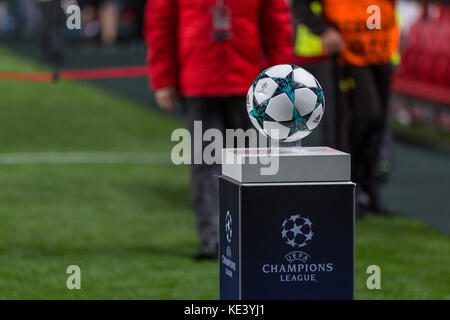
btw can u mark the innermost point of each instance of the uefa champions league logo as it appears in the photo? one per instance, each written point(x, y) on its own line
point(230, 265)
point(228, 232)
point(297, 232)
point(228, 223)
point(263, 87)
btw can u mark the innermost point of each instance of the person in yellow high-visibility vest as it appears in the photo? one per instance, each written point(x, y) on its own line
point(363, 36)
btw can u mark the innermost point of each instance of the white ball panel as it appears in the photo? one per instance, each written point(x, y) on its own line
point(279, 71)
point(315, 118)
point(276, 130)
point(280, 108)
point(249, 100)
point(264, 89)
point(305, 101)
point(304, 77)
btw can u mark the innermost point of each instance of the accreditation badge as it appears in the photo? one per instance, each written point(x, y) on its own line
point(221, 21)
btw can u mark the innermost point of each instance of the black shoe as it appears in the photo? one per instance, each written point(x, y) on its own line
point(381, 210)
point(362, 204)
point(207, 251)
point(360, 211)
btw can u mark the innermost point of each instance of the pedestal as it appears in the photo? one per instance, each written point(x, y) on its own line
point(289, 235)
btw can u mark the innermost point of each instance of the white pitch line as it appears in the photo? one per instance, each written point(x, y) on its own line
point(96, 157)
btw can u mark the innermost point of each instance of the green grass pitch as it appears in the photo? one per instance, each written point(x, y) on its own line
point(129, 226)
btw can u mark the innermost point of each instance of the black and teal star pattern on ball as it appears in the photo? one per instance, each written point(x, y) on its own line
point(319, 94)
point(285, 85)
point(296, 124)
point(259, 112)
point(288, 86)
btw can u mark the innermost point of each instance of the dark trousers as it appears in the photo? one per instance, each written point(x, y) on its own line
point(363, 122)
point(324, 73)
point(221, 114)
point(52, 41)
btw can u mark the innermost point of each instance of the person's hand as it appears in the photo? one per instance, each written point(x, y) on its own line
point(332, 41)
point(166, 98)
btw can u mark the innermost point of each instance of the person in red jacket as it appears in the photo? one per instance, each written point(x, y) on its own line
point(208, 52)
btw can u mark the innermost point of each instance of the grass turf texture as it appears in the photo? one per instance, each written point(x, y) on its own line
point(130, 226)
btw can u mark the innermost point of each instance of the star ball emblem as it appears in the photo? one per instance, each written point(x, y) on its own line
point(296, 231)
point(228, 224)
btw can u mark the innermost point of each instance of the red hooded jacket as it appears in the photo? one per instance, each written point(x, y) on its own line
point(183, 52)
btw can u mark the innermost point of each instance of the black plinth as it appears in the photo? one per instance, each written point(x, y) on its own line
point(286, 240)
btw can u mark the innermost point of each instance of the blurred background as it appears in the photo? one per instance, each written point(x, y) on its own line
point(87, 178)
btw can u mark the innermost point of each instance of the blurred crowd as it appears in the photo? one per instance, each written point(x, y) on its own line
point(102, 20)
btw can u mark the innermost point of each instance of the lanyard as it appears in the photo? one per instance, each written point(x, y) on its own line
point(221, 21)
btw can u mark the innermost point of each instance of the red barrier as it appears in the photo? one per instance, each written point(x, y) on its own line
point(27, 76)
point(120, 72)
point(103, 73)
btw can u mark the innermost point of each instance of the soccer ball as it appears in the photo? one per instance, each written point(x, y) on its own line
point(285, 102)
point(296, 231)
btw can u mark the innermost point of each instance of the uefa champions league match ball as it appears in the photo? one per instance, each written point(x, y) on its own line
point(285, 103)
